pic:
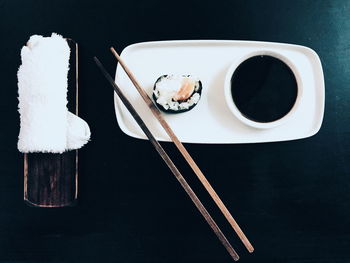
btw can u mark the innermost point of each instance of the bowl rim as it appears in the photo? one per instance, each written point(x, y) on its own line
point(228, 92)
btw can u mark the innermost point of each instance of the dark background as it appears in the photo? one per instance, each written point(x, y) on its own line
point(290, 198)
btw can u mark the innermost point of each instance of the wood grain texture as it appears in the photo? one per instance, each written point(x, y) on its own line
point(51, 180)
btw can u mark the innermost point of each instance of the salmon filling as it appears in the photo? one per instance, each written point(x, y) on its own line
point(177, 93)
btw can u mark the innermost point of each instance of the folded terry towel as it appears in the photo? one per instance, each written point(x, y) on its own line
point(78, 132)
point(46, 124)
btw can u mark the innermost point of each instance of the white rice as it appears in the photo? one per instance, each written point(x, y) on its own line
point(166, 89)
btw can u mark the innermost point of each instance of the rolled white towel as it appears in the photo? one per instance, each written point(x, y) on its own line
point(46, 124)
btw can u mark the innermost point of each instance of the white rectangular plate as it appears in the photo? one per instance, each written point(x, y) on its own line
point(211, 121)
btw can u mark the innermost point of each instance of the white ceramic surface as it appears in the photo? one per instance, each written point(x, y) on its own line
point(211, 121)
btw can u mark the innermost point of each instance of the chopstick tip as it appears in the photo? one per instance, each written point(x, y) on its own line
point(113, 50)
point(115, 53)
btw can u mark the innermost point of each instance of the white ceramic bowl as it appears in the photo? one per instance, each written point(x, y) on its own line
point(232, 106)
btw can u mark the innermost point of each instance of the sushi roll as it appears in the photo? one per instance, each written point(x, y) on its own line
point(177, 93)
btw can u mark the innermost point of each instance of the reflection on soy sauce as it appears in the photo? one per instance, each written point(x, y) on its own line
point(264, 88)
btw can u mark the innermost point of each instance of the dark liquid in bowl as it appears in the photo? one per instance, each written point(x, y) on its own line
point(264, 88)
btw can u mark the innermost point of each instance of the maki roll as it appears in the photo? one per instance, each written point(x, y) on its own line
point(177, 93)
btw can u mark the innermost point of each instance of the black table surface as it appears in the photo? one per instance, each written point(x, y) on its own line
point(291, 198)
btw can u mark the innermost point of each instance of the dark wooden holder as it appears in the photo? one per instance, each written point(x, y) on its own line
point(51, 180)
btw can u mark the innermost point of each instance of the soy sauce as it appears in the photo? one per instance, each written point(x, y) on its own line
point(264, 88)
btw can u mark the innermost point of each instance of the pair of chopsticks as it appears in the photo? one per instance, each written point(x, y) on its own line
point(171, 165)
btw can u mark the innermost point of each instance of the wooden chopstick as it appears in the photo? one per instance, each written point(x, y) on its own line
point(185, 154)
point(170, 164)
